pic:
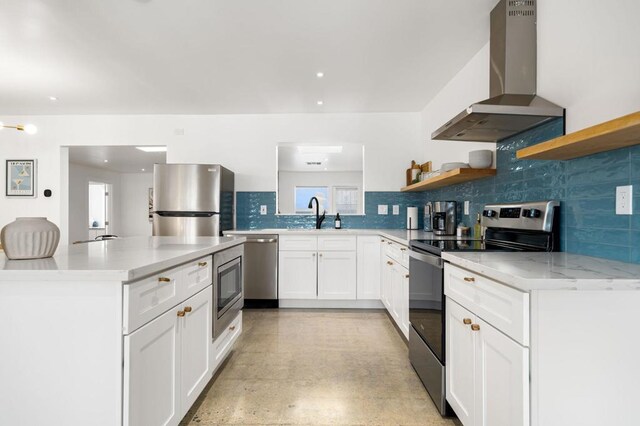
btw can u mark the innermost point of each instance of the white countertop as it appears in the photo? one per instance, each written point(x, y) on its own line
point(123, 259)
point(401, 236)
point(549, 271)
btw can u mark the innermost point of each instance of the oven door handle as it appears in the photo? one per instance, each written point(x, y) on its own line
point(428, 258)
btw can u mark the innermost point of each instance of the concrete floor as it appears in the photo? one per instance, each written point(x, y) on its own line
point(316, 367)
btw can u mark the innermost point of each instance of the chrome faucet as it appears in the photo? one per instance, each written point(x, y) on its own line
point(319, 218)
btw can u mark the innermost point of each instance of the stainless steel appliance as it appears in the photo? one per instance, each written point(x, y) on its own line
point(513, 106)
point(192, 199)
point(228, 271)
point(509, 227)
point(261, 272)
point(444, 217)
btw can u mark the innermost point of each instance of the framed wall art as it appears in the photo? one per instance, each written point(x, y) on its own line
point(21, 178)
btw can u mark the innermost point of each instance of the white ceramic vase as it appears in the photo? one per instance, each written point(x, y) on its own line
point(30, 238)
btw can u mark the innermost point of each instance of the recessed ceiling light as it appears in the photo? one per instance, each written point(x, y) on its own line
point(106, 161)
point(53, 98)
point(320, 103)
point(142, 170)
point(152, 148)
point(319, 149)
point(320, 74)
point(326, 159)
point(325, 168)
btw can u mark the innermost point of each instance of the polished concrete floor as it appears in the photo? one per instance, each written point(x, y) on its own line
point(316, 367)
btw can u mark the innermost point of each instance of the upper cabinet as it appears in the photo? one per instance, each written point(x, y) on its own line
point(618, 133)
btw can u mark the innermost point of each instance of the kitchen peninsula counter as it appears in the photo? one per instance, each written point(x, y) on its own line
point(549, 271)
point(124, 259)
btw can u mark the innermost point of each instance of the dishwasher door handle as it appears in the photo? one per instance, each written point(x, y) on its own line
point(262, 240)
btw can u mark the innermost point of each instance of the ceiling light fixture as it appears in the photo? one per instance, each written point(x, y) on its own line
point(106, 161)
point(142, 170)
point(319, 149)
point(320, 74)
point(53, 98)
point(320, 103)
point(152, 148)
point(27, 128)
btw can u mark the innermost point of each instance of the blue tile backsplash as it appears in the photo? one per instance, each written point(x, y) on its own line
point(585, 187)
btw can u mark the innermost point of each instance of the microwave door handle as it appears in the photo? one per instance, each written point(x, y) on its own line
point(430, 259)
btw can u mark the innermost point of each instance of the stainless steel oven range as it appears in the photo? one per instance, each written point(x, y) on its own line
point(508, 227)
point(228, 272)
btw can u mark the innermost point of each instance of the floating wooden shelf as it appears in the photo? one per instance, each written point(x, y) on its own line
point(449, 178)
point(618, 133)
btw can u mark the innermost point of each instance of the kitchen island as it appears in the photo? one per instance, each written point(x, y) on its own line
point(110, 333)
point(541, 339)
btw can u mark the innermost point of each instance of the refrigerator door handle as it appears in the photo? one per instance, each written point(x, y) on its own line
point(186, 214)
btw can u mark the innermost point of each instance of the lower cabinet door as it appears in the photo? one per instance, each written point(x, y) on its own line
point(404, 305)
point(297, 275)
point(395, 301)
point(368, 271)
point(337, 275)
point(387, 278)
point(195, 359)
point(502, 384)
point(151, 373)
point(460, 371)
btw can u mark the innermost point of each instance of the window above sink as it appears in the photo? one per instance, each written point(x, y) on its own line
point(333, 173)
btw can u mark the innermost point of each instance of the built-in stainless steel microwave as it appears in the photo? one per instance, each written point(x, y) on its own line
point(227, 287)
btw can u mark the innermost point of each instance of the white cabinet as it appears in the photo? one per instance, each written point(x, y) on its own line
point(487, 375)
point(167, 363)
point(337, 275)
point(395, 283)
point(297, 275)
point(368, 269)
point(317, 267)
point(151, 367)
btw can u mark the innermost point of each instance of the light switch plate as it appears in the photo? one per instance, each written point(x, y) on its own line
point(396, 209)
point(263, 209)
point(383, 209)
point(624, 199)
point(466, 208)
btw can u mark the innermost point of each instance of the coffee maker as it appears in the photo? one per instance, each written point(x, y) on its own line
point(444, 217)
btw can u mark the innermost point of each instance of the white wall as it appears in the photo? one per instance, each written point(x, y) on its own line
point(244, 143)
point(134, 193)
point(588, 63)
point(79, 178)
point(589, 58)
point(469, 85)
point(289, 180)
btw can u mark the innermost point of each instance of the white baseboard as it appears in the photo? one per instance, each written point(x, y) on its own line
point(328, 304)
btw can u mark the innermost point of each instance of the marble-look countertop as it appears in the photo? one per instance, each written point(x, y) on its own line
point(401, 236)
point(549, 271)
point(124, 259)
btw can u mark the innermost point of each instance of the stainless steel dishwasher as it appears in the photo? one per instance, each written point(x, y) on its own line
point(260, 271)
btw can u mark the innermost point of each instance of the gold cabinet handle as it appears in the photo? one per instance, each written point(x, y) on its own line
point(389, 262)
point(164, 280)
point(389, 243)
point(475, 327)
point(467, 321)
point(188, 309)
point(233, 327)
point(202, 264)
point(314, 255)
point(406, 276)
point(320, 255)
point(403, 249)
point(180, 313)
point(470, 279)
point(382, 241)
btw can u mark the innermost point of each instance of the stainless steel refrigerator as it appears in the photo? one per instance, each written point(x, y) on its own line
point(192, 199)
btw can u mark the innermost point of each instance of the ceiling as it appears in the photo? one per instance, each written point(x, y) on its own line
point(350, 159)
point(120, 159)
point(240, 56)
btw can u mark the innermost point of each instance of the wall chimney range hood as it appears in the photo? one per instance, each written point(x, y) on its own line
point(513, 106)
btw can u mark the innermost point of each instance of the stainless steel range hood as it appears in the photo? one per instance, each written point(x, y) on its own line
point(513, 106)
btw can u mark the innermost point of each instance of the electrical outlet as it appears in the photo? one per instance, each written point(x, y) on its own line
point(263, 209)
point(466, 208)
point(624, 199)
point(396, 209)
point(383, 209)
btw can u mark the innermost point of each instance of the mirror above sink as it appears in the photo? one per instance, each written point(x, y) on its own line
point(331, 172)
